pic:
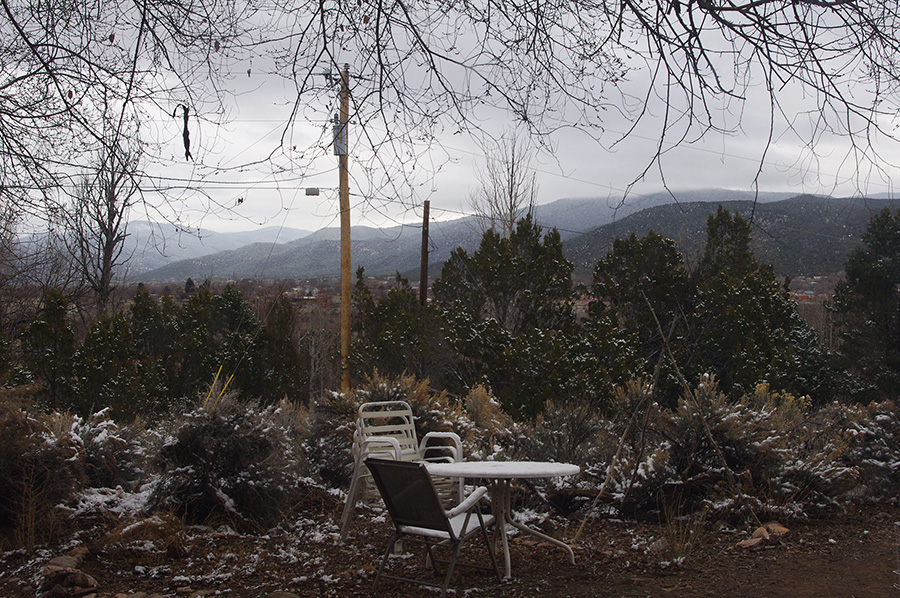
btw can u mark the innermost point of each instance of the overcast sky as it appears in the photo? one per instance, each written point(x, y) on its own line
point(245, 189)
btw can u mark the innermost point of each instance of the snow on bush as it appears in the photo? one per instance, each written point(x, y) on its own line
point(485, 428)
point(864, 439)
point(767, 454)
point(114, 455)
point(231, 462)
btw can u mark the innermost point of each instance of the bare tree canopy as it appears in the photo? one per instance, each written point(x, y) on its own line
point(691, 67)
point(507, 188)
point(96, 222)
point(63, 64)
point(670, 70)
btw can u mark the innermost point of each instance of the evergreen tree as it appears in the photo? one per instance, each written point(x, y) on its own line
point(522, 281)
point(111, 374)
point(157, 339)
point(396, 335)
point(868, 304)
point(48, 347)
point(282, 368)
point(641, 282)
point(745, 327)
point(498, 303)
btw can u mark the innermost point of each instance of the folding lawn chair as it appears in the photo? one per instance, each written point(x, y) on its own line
point(418, 514)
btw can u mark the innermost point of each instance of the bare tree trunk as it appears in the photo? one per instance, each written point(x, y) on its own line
point(97, 220)
point(507, 187)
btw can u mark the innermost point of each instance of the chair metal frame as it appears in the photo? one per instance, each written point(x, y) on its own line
point(386, 430)
point(417, 513)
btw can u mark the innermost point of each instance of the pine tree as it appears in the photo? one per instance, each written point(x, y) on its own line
point(868, 305)
point(745, 327)
point(509, 316)
point(48, 346)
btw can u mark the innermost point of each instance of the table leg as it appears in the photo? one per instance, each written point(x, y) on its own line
point(543, 537)
point(500, 504)
point(501, 501)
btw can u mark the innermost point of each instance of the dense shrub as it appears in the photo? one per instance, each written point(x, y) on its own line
point(48, 347)
point(330, 436)
point(569, 433)
point(230, 462)
point(866, 439)
point(763, 455)
point(114, 455)
point(111, 377)
point(485, 428)
point(767, 454)
point(39, 469)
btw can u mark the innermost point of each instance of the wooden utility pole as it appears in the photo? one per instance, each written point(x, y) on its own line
point(423, 271)
point(341, 143)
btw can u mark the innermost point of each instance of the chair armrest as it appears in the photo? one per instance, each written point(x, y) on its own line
point(455, 450)
point(372, 445)
point(467, 504)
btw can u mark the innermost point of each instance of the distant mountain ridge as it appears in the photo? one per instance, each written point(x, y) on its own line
point(153, 245)
point(802, 235)
point(571, 216)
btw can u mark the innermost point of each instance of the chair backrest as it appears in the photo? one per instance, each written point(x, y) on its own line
point(409, 494)
point(388, 418)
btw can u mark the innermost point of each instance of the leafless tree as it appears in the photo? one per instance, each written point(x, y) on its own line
point(425, 70)
point(97, 218)
point(63, 63)
point(507, 188)
point(30, 264)
point(320, 339)
point(686, 67)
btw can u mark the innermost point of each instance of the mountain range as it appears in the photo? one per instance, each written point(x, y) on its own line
point(800, 235)
point(153, 245)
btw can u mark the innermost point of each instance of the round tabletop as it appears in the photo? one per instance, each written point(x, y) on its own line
point(502, 469)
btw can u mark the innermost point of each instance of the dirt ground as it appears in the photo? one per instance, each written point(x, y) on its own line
point(853, 555)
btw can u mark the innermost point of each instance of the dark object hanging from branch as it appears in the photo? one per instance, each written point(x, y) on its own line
point(185, 134)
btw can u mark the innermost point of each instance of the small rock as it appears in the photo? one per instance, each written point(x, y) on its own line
point(83, 580)
point(64, 562)
point(54, 592)
point(659, 546)
point(68, 577)
point(775, 528)
point(283, 595)
point(751, 542)
point(79, 552)
point(760, 532)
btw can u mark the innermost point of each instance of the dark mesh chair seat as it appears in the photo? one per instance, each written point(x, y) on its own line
point(416, 512)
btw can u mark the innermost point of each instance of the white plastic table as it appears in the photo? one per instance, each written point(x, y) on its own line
point(498, 475)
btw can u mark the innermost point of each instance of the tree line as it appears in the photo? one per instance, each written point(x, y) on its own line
point(507, 316)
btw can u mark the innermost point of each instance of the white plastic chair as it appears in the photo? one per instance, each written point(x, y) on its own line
point(386, 430)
